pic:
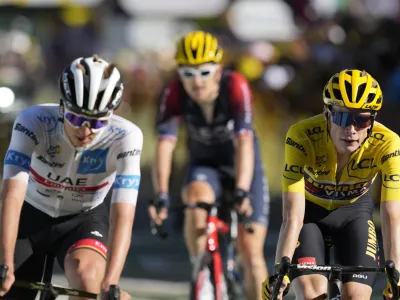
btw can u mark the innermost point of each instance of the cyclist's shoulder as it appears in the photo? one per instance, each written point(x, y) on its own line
point(41, 119)
point(308, 128)
point(172, 92)
point(383, 133)
point(40, 111)
point(123, 129)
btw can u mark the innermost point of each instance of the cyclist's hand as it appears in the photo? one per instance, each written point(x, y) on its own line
point(387, 293)
point(8, 281)
point(158, 208)
point(268, 285)
point(242, 200)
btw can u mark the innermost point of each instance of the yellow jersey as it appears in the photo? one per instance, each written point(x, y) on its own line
point(311, 164)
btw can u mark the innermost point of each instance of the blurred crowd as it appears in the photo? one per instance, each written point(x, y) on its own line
point(287, 75)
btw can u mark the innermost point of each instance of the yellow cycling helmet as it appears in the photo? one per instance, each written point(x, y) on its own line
point(198, 47)
point(353, 89)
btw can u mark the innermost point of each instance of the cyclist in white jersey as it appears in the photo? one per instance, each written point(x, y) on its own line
point(63, 160)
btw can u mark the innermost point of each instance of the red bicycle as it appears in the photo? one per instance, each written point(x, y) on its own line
point(215, 274)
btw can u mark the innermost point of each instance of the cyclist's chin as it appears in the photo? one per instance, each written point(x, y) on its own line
point(81, 142)
point(201, 96)
point(347, 147)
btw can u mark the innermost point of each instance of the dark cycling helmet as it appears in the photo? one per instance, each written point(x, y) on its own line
point(91, 86)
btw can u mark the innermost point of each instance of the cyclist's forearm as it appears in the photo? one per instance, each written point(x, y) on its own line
point(162, 165)
point(11, 206)
point(390, 225)
point(288, 237)
point(119, 241)
point(244, 161)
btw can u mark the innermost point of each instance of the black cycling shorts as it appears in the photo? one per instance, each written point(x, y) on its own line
point(39, 234)
point(353, 235)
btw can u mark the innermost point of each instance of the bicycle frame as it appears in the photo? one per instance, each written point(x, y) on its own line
point(214, 227)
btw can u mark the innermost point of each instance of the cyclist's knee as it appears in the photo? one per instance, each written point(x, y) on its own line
point(355, 290)
point(310, 287)
point(85, 269)
point(197, 191)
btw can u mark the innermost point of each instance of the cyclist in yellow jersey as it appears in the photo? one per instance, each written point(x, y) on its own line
point(331, 160)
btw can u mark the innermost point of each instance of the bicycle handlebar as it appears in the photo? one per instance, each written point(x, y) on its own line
point(285, 266)
point(55, 291)
point(393, 276)
point(160, 232)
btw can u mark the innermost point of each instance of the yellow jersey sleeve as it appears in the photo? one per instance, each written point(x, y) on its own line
point(295, 160)
point(390, 166)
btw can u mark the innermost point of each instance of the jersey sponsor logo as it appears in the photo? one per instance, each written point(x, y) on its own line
point(50, 164)
point(366, 163)
point(390, 155)
point(320, 160)
point(27, 132)
point(361, 276)
point(53, 150)
point(58, 183)
point(117, 131)
point(315, 130)
point(315, 133)
point(318, 172)
point(372, 244)
point(307, 261)
point(210, 135)
point(392, 177)
point(67, 180)
point(296, 145)
point(376, 136)
point(330, 191)
point(17, 159)
point(129, 153)
point(93, 161)
point(127, 182)
point(50, 121)
point(294, 169)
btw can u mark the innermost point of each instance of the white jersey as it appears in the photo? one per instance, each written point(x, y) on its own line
point(64, 180)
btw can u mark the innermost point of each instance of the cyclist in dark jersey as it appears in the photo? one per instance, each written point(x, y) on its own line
point(215, 106)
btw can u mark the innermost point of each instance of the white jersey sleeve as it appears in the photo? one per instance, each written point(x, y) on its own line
point(127, 179)
point(24, 140)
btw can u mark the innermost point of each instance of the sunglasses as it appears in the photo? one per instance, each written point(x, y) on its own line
point(344, 119)
point(78, 121)
point(193, 72)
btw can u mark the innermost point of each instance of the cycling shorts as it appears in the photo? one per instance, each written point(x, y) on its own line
point(353, 235)
point(39, 234)
point(222, 179)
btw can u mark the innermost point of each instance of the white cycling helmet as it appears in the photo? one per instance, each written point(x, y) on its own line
point(91, 86)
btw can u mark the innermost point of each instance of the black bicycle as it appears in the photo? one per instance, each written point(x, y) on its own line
point(221, 270)
point(335, 273)
point(48, 291)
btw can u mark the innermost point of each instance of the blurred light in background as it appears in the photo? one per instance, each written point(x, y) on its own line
point(156, 34)
point(252, 20)
point(250, 67)
point(336, 34)
point(277, 77)
point(7, 97)
point(175, 8)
